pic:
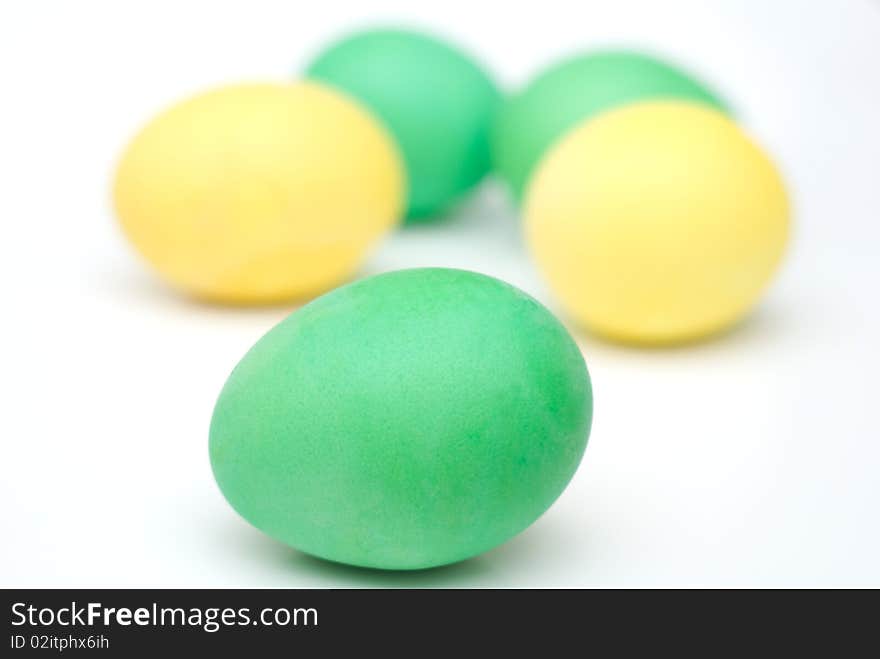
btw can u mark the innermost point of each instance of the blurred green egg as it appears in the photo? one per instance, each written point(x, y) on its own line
point(558, 99)
point(435, 100)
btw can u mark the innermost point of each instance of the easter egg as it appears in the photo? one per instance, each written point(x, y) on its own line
point(578, 88)
point(259, 192)
point(436, 101)
point(404, 421)
point(658, 222)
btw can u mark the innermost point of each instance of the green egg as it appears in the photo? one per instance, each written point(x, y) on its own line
point(435, 100)
point(405, 421)
point(576, 89)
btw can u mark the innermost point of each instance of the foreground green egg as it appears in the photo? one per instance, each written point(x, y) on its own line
point(573, 90)
point(404, 421)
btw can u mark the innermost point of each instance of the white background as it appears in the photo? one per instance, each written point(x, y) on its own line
point(752, 459)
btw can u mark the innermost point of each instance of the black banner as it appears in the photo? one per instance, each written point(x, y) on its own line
point(129, 622)
point(121, 622)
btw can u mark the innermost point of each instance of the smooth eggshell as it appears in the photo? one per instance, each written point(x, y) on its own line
point(404, 421)
point(573, 90)
point(259, 192)
point(435, 99)
point(658, 222)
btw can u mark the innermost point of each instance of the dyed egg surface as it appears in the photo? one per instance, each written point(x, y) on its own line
point(405, 421)
point(435, 99)
point(659, 222)
point(259, 192)
point(578, 88)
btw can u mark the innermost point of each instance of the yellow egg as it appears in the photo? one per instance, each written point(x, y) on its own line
point(259, 192)
point(658, 222)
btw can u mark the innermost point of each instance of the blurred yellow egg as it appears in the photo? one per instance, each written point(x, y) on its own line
point(259, 192)
point(658, 222)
